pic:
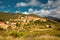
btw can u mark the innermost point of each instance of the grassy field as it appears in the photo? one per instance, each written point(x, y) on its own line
point(18, 34)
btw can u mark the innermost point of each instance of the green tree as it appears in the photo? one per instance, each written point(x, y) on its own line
point(18, 24)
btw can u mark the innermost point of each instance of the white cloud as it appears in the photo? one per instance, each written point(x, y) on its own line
point(56, 12)
point(42, 12)
point(5, 11)
point(51, 4)
point(34, 3)
point(30, 3)
point(25, 12)
point(21, 4)
point(17, 12)
point(30, 10)
point(48, 5)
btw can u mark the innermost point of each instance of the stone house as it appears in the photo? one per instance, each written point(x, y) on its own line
point(3, 25)
point(13, 24)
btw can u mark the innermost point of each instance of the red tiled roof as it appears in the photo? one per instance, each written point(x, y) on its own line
point(2, 23)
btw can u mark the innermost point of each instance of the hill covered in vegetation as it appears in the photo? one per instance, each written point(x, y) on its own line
point(28, 27)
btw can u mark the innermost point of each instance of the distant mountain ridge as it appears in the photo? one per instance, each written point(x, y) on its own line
point(53, 18)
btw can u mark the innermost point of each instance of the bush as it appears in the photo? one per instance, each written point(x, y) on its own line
point(37, 22)
point(16, 34)
point(18, 24)
point(1, 29)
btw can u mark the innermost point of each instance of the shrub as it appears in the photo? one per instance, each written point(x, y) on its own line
point(16, 34)
point(18, 25)
point(37, 22)
point(1, 29)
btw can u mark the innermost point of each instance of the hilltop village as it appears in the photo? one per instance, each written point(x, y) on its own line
point(20, 21)
point(27, 27)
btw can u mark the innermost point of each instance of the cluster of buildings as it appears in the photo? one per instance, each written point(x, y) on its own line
point(20, 19)
point(7, 24)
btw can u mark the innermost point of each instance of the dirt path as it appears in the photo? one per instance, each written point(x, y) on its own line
point(40, 30)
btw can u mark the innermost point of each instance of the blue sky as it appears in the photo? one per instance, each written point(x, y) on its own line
point(20, 5)
point(39, 7)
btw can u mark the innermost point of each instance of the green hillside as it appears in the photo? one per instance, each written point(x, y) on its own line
point(29, 27)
